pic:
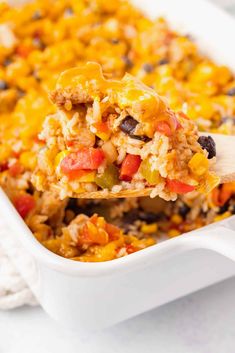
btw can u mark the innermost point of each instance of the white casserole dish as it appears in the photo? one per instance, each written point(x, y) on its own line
point(96, 295)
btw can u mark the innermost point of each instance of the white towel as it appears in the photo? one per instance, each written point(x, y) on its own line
point(13, 290)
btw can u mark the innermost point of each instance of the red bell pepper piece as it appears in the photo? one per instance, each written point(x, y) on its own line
point(102, 126)
point(113, 231)
point(4, 166)
point(130, 249)
point(23, 50)
point(168, 126)
point(84, 159)
point(179, 187)
point(129, 167)
point(15, 169)
point(24, 204)
point(164, 128)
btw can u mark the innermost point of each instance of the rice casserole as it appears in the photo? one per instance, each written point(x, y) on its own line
point(40, 40)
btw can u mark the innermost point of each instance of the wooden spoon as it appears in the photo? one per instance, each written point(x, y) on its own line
point(225, 156)
point(224, 168)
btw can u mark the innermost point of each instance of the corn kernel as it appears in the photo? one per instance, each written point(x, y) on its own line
point(5, 153)
point(91, 229)
point(110, 151)
point(199, 164)
point(149, 228)
point(223, 75)
point(28, 160)
point(100, 222)
point(79, 190)
point(173, 233)
point(60, 156)
point(177, 219)
point(143, 243)
point(209, 183)
point(89, 177)
point(205, 107)
point(222, 216)
point(68, 105)
point(148, 242)
point(103, 135)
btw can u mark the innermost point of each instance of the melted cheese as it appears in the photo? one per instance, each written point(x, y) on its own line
point(126, 93)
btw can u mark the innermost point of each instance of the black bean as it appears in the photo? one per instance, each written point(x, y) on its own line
point(37, 42)
point(114, 41)
point(127, 61)
point(126, 228)
point(223, 208)
point(226, 119)
point(78, 209)
point(231, 92)
point(163, 62)
point(141, 137)
point(150, 217)
point(130, 217)
point(37, 15)
point(36, 76)
point(208, 144)
point(97, 140)
point(20, 93)
point(30, 190)
point(203, 214)
point(68, 11)
point(147, 217)
point(3, 85)
point(184, 210)
point(72, 204)
point(148, 68)
point(128, 125)
point(7, 62)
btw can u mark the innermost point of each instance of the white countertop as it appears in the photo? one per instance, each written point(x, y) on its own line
point(203, 322)
point(200, 323)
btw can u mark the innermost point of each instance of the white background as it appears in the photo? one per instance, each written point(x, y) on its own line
point(200, 323)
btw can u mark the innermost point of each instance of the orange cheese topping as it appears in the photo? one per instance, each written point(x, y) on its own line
point(126, 93)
